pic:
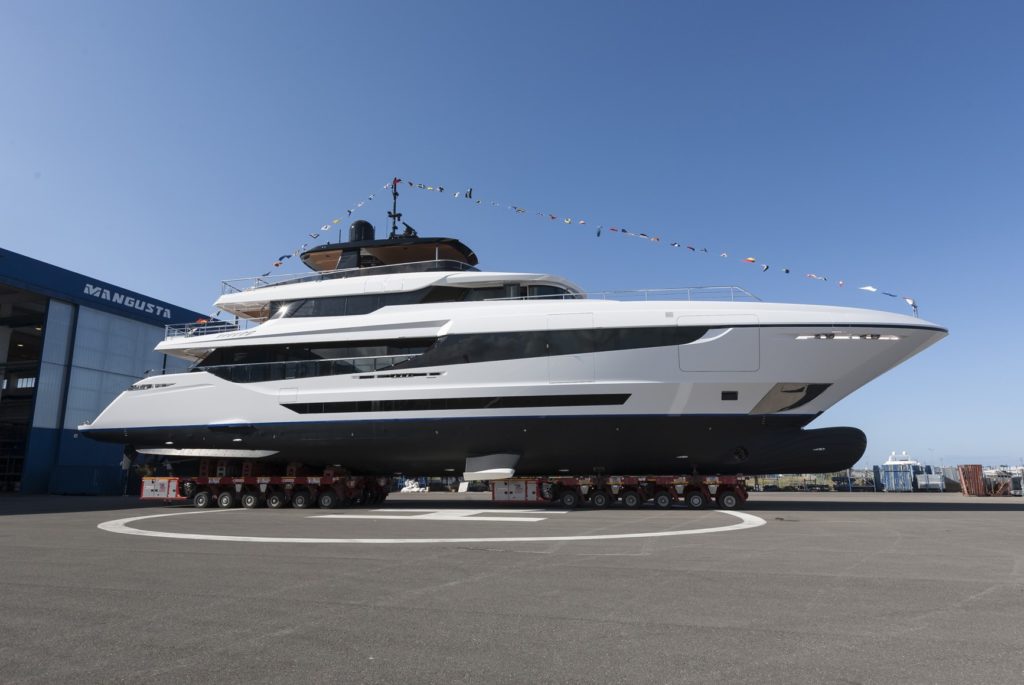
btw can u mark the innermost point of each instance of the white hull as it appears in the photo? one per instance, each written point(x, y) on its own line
point(727, 378)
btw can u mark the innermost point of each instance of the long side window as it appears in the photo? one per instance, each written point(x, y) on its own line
point(353, 305)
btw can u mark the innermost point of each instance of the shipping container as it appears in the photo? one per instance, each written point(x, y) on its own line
point(897, 478)
point(972, 480)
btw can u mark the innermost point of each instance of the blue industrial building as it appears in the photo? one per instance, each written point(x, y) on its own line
point(69, 344)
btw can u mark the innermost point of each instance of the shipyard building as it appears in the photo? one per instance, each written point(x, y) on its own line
point(69, 344)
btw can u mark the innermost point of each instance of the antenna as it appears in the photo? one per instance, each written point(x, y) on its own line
point(913, 304)
point(394, 214)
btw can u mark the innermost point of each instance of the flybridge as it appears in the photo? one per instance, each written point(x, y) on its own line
point(130, 301)
point(237, 285)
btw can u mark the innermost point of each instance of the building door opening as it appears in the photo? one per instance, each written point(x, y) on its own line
point(22, 316)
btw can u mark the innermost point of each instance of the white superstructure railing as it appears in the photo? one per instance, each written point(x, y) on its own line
point(711, 293)
point(238, 285)
point(708, 293)
point(188, 330)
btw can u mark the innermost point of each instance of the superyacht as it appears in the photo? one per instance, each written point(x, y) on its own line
point(397, 355)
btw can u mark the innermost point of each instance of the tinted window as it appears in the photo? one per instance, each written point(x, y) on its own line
point(477, 294)
point(279, 310)
point(444, 293)
point(549, 291)
point(359, 304)
point(302, 308)
point(353, 305)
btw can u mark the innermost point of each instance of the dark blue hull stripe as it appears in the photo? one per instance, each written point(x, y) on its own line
point(546, 445)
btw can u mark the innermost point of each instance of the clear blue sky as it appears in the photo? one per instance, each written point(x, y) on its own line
point(164, 146)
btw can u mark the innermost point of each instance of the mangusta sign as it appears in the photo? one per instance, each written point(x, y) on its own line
point(25, 273)
point(120, 298)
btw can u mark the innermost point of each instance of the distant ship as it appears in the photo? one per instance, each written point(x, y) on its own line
point(901, 459)
point(398, 355)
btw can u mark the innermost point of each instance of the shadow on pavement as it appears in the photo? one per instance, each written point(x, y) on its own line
point(924, 502)
point(14, 505)
point(968, 504)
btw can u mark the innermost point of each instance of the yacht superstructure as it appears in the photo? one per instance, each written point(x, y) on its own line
point(399, 356)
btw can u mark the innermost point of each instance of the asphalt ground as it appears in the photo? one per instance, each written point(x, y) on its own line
point(831, 588)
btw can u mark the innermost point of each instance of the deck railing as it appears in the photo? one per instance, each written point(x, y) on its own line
point(709, 293)
point(188, 330)
point(238, 285)
point(705, 293)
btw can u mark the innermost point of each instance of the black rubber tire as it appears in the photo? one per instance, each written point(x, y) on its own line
point(631, 499)
point(695, 499)
point(252, 500)
point(569, 499)
point(728, 499)
point(301, 499)
point(327, 499)
point(226, 499)
point(663, 500)
point(203, 500)
point(600, 499)
point(276, 500)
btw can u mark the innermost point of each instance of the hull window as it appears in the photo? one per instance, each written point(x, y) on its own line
point(577, 364)
point(474, 348)
point(261, 363)
point(450, 403)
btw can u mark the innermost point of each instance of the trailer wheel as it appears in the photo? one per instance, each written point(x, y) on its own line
point(226, 499)
point(202, 500)
point(569, 499)
point(327, 499)
point(275, 500)
point(301, 499)
point(251, 500)
point(600, 499)
point(631, 499)
point(727, 499)
point(663, 500)
point(695, 499)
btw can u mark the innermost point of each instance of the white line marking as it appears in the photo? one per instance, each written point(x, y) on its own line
point(445, 515)
point(455, 512)
point(433, 517)
point(122, 526)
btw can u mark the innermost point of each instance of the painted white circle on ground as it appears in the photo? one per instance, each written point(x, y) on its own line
point(122, 526)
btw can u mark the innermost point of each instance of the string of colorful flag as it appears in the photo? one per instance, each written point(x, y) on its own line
point(468, 194)
point(325, 228)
